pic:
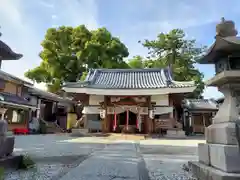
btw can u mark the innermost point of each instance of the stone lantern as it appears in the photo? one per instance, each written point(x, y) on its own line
point(219, 158)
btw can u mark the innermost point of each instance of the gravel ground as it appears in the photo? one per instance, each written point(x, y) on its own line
point(60, 156)
point(167, 167)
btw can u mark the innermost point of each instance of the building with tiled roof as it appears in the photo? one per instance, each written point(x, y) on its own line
point(198, 114)
point(128, 98)
point(200, 104)
point(129, 82)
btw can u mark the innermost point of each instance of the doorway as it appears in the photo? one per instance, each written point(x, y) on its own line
point(132, 117)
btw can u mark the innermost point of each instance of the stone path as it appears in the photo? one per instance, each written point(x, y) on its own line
point(67, 158)
point(116, 161)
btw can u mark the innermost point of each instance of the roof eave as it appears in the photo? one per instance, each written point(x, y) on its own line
point(220, 44)
point(156, 91)
point(6, 53)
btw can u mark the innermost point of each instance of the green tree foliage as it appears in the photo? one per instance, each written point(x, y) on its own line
point(69, 52)
point(180, 54)
point(136, 62)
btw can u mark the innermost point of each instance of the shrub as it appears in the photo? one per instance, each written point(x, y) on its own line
point(1, 173)
point(26, 162)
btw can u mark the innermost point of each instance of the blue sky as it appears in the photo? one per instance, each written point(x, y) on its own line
point(24, 23)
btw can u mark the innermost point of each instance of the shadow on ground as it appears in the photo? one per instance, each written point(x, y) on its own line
point(168, 149)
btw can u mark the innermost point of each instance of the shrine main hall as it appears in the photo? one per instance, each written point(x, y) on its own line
point(130, 100)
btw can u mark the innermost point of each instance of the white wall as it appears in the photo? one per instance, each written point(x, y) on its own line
point(161, 100)
point(95, 99)
point(91, 110)
point(33, 100)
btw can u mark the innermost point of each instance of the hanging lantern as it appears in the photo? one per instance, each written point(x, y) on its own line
point(151, 113)
point(102, 113)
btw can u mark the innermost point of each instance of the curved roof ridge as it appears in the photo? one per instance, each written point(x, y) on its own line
point(149, 78)
point(129, 70)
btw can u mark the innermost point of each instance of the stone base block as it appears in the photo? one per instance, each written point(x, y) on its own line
point(203, 153)
point(79, 132)
point(175, 133)
point(10, 162)
point(222, 133)
point(203, 172)
point(225, 157)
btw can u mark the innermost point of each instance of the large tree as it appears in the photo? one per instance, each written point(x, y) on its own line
point(69, 52)
point(180, 54)
point(136, 62)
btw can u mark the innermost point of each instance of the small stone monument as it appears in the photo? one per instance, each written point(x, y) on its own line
point(219, 158)
point(7, 160)
point(6, 142)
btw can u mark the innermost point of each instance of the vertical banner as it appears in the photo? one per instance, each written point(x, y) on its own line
point(115, 120)
point(137, 124)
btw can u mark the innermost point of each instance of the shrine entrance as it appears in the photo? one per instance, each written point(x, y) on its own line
point(126, 119)
point(132, 118)
point(126, 114)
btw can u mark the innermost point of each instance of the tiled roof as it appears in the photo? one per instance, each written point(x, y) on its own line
point(9, 77)
point(47, 95)
point(7, 97)
point(129, 79)
point(200, 104)
point(6, 52)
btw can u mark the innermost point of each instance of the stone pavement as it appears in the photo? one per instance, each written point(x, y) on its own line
point(63, 157)
point(115, 161)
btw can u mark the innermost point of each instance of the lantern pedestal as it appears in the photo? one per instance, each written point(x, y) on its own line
point(219, 158)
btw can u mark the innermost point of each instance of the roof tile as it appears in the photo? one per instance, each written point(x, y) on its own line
point(200, 104)
point(130, 79)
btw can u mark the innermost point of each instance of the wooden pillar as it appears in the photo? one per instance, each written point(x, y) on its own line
point(39, 108)
point(127, 118)
point(149, 120)
point(204, 120)
point(204, 123)
point(191, 122)
point(106, 119)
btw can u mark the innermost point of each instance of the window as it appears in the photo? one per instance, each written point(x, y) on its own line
point(17, 116)
point(19, 90)
point(2, 84)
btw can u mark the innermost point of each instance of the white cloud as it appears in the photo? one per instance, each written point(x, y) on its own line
point(166, 15)
point(46, 4)
point(76, 13)
point(24, 23)
point(212, 92)
point(54, 16)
